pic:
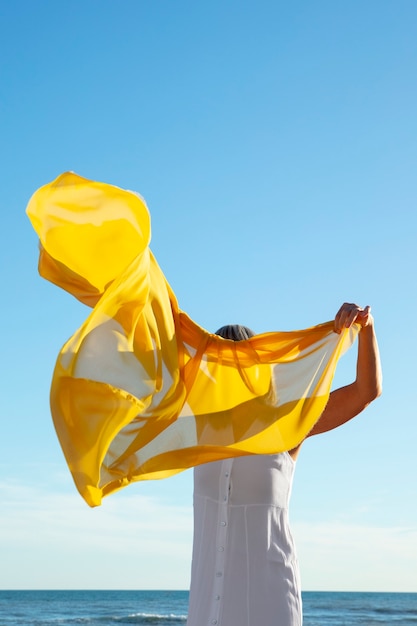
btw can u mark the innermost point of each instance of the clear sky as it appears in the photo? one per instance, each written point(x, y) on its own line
point(276, 146)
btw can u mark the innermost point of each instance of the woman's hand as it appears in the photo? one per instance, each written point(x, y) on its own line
point(349, 314)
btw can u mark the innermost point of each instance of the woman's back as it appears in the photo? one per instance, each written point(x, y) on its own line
point(244, 570)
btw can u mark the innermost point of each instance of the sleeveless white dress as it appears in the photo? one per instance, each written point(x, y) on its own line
point(244, 568)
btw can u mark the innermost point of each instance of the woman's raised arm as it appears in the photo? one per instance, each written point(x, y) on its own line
point(346, 402)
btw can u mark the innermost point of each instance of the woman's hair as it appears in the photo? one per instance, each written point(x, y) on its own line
point(235, 332)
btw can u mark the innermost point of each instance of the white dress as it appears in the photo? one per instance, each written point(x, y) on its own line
point(244, 568)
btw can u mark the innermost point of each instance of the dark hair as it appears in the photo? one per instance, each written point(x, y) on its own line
point(235, 332)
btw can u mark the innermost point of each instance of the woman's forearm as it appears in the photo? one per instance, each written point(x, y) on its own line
point(368, 368)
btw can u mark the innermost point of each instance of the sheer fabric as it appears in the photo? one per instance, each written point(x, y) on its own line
point(141, 391)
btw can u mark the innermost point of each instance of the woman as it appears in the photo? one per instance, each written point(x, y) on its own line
point(244, 568)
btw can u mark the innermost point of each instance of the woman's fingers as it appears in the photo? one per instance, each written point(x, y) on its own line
point(363, 316)
point(350, 313)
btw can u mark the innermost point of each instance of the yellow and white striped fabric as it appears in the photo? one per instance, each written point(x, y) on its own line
point(140, 391)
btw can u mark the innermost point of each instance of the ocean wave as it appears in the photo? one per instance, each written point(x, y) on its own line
point(407, 611)
point(151, 618)
point(142, 619)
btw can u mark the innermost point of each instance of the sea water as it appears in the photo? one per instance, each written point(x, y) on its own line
point(169, 608)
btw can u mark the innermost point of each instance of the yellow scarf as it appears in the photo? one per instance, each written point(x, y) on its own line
point(141, 391)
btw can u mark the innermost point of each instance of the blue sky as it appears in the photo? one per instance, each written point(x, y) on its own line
point(276, 146)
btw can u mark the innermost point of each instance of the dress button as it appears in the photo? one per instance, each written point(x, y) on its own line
point(227, 474)
point(222, 523)
point(220, 549)
point(214, 621)
point(218, 574)
point(217, 598)
point(225, 498)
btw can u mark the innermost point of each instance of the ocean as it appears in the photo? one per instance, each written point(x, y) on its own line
point(169, 608)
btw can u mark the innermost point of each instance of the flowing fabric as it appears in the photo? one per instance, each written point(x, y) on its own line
point(141, 391)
